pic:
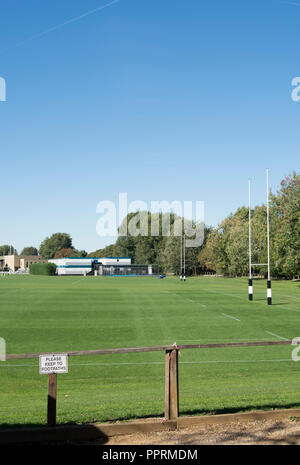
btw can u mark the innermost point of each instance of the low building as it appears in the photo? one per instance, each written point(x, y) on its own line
point(18, 262)
point(74, 265)
point(104, 266)
point(85, 265)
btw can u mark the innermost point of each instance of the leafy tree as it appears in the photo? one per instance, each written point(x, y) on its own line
point(29, 251)
point(66, 252)
point(286, 227)
point(69, 252)
point(108, 251)
point(226, 247)
point(51, 245)
point(124, 247)
point(81, 253)
point(144, 253)
point(7, 250)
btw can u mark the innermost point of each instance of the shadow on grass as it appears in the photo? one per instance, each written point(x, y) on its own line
point(87, 433)
point(121, 419)
point(68, 434)
point(264, 299)
point(282, 303)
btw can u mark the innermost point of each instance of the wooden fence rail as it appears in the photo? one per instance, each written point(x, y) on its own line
point(171, 369)
point(129, 350)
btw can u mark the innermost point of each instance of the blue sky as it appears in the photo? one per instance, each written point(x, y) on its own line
point(162, 99)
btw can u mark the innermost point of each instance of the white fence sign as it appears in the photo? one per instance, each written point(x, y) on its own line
point(53, 363)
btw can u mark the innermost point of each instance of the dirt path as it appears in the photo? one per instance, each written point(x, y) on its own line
point(254, 432)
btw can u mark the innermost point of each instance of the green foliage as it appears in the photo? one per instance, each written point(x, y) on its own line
point(108, 251)
point(286, 227)
point(226, 247)
point(46, 269)
point(29, 251)
point(146, 248)
point(7, 250)
point(70, 252)
point(51, 245)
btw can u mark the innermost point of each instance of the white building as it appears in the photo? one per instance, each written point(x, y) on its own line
point(114, 261)
point(86, 265)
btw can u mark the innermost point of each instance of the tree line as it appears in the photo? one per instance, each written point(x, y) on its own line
point(58, 245)
point(224, 249)
point(162, 250)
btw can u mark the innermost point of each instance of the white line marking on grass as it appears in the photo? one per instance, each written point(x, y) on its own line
point(247, 339)
point(13, 290)
point(190, 340)
point(229, 316)
point(219, 291)
point(290, 296)
point(239, 361)
point(186, 298)
point(195, 302)
point(255, 301)
point(232, 295)
point(2, 365)
point(77, 280)
point(198, 362)
point(290, 309)
point(276, 335)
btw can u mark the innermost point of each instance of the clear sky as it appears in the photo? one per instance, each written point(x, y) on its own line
point(162, 99)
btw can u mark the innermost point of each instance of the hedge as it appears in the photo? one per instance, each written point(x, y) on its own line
point(47, 269)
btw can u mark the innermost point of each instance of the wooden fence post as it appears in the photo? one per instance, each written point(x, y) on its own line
point(171, 385)
point(51, 407)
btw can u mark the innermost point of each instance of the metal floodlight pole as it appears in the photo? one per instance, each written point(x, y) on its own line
point(250, 285)
point(269, 290)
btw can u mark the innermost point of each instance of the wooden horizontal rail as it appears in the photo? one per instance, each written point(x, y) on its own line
point(234, 344)
point(150, 349)
point(171, 370)
point(92, 352)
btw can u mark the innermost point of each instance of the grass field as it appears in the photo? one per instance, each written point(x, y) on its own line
point(45, 314)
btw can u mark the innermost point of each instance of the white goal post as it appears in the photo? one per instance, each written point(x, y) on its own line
point(250, 281)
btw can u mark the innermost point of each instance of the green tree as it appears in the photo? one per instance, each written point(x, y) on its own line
point(144, 253)
point(53, 244)
point(7, 250)
point(285, 221)
point(108, 251)
point(69, 252)
point(29, 251)
point(124, 247)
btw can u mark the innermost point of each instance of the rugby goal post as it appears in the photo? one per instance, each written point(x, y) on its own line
point(250, 281)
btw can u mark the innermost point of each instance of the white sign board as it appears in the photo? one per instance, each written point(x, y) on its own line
point(53, 363)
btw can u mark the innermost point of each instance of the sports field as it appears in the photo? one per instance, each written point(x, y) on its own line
point(45, 314)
